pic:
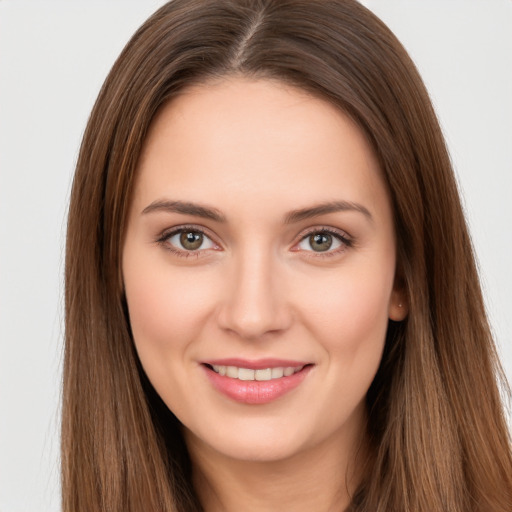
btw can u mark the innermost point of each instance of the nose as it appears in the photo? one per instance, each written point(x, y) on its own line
point(255, 302)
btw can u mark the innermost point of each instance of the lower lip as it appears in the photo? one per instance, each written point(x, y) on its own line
point(253, 391)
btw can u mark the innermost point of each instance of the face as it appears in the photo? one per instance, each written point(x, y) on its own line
point(259, 265)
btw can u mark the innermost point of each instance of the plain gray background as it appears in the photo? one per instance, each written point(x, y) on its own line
point(54, 56)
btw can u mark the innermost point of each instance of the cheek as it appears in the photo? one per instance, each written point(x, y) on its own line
point(167, 308)
point(348, 313)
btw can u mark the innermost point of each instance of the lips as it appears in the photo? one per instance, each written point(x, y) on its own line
point(255, 382)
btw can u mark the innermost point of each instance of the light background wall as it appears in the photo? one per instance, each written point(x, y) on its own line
point(54, 56)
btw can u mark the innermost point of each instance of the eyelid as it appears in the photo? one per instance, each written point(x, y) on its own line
point(167, 233)
point(346, 240)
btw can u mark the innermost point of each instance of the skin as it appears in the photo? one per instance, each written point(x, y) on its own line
point(254, 151)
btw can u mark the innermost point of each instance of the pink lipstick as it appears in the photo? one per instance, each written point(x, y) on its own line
point(255, 382)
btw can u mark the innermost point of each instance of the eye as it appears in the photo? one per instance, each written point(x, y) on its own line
point(187, 240)
point(323, 241)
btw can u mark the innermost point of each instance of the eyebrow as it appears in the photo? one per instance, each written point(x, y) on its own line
point(185, 208)
point(206, 212)
point(325, 208)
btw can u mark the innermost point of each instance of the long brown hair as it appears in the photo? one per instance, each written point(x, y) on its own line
point(437, 430)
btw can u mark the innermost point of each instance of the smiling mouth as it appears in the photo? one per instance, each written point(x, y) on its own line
point(261, 384)
point(249, 374)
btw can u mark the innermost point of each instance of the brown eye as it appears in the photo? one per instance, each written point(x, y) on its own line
point(184, 241)
point(320, 242)
point(191, 240)
point(324, 241)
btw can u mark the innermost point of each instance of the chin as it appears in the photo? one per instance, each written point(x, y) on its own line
point(259, 444)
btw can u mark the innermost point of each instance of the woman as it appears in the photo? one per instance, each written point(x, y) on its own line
point(271, 298)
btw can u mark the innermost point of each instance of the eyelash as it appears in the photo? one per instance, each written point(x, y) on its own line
point(163, 240)
point(346, 241)
point(342, 237)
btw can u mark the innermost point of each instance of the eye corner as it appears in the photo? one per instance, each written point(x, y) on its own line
point(172, 239)
point(338, 242)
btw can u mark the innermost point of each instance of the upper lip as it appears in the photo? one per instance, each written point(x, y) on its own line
point(256, 364)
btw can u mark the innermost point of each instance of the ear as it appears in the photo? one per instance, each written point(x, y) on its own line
point(398, 304)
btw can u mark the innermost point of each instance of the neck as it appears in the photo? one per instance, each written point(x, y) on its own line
point(321, 479)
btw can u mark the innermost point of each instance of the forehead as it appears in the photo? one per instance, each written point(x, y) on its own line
point(256, 138)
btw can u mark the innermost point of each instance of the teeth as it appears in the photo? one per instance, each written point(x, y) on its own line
point(260, 375)
point(245, 374)
point(265, 374)
point(220, 369)
point(277, 373)
point(231, 371)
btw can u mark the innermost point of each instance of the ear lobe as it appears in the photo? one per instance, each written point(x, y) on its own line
point(398, 306)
